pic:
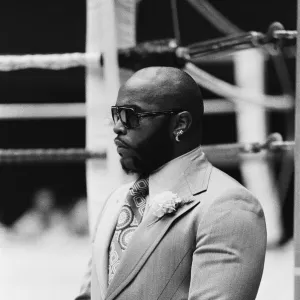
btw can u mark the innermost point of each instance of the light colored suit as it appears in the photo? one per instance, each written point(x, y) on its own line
point(210, 249)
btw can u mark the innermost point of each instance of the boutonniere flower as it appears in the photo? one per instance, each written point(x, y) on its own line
point(167, 203)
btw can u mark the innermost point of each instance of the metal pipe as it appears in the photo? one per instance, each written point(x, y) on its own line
point(241, 41)
point(236, 42)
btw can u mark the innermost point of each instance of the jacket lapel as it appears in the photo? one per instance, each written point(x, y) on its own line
point(105, 230)
point(150, 232)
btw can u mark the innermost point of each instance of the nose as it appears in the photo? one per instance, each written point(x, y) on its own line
point(119, 128)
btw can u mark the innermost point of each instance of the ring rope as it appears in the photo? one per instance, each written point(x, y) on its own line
point(273, 143)
point(48, 61)
point(68, 60)
point(234, 93)
point(48, 155)
point(158, 49)
point(140, 56)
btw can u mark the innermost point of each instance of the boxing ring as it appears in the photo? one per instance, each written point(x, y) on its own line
point(107, 67)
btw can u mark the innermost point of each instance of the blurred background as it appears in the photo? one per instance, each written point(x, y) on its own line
point(43, 207)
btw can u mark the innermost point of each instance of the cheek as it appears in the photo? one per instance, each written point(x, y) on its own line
point(148, 150)
point(150, 137)
point(158, 142)
point(138, 137)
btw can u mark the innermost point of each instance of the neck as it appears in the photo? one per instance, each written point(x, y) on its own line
point(178, 151)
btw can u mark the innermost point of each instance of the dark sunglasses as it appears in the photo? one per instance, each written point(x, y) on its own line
point(131, 119)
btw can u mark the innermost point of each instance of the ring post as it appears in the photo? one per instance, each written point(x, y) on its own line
point(110, 24)
point(297, 169)
point(251, 127)
point(96, 107)
point(101, 90)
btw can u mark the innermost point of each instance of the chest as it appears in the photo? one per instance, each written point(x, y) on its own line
point(168, 266)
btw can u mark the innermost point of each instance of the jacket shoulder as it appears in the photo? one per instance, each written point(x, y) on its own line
point(225, 192)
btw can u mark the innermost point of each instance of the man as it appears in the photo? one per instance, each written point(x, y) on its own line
point(184, 230)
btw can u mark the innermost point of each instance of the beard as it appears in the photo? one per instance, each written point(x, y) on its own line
point(150, 154)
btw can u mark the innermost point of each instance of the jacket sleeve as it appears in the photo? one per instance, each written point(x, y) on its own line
point(230, 250)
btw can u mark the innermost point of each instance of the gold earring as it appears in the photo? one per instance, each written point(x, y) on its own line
point(178, 134)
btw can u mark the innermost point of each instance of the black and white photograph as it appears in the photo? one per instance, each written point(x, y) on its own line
point(150, 150)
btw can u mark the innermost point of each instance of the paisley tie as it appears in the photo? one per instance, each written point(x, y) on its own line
point(130, 217)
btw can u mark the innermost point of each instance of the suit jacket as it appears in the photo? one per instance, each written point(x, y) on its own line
point(211, 248)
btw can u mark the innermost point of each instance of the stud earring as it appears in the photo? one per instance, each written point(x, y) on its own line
point(178, 134)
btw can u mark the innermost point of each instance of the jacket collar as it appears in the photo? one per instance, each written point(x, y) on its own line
point(179, 175)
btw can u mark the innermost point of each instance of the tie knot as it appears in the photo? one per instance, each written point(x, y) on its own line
point(140, 187)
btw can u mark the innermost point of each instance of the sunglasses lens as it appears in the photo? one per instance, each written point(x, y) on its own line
point(129, 118)
point(123, 116)
point(114, 114)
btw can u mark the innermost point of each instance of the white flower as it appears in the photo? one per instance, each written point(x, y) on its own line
point(166, 203)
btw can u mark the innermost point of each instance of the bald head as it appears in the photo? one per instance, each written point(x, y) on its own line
point(167, 88)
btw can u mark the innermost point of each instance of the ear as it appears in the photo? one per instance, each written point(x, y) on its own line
point(183, 122)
